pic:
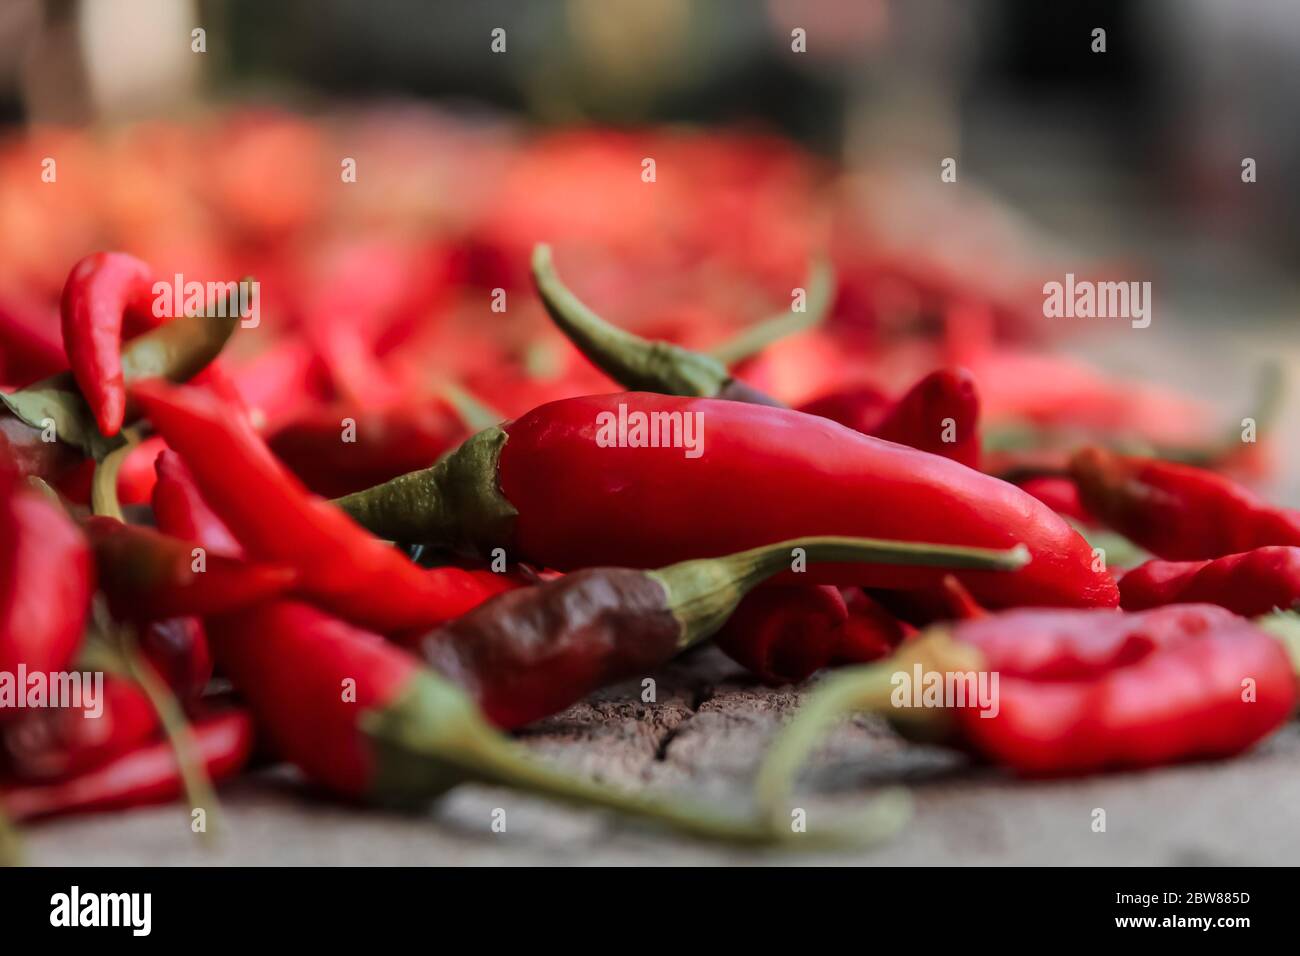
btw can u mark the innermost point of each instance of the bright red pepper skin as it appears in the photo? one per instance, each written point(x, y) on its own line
point(1085, 691)
point(764, 475)
point(308, 678)
point(1060, 494)
point(145, 775)
point(782, 634)
point(861, 407)
point(180, 510)
point(1251, 584)
point(29, 347)
point(46, 581)
point(104, 291)
point(340, 566)
point(58, 743)
point(1178, 512)
point(148, 576)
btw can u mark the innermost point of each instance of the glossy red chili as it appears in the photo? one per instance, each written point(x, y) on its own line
point(105, 293)
point(1178, 511)
point(339, 565)
point(554, 488)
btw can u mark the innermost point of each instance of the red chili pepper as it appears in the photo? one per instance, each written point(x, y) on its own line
point(1077, 691)
point(860, 407)
point(534, 651)
point(546, 489)
point(274, 518)
point(1059, 493)
point(150, 576)
point(784, 634)
point(29, 347)
point(147, 774)
point(364, 719)
point(180, 510)
point(105, 292)
point(1177, 511)
point(1251, 583)
point(57, 743)
point(46, 581)
point(336, 451)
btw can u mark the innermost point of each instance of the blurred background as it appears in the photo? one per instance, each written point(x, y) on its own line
point(781, 130)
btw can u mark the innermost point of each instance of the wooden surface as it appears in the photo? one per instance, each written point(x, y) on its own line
point(704, 737)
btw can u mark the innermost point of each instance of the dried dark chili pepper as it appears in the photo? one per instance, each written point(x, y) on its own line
point(147, 774)
point(275, 519)
point(149, 576)
point(46, 581)
point(1077, 691)
point(782, 634)
point(106, 293)
point(533, 651)
point(1178, 512)
point(1251, 583)
point(546, 490)
point(365, 719)
point(335, 451)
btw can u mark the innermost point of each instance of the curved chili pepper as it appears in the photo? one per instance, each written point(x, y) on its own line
point(104, 292)
point(365, 719)
point(532, 652)
point(57, 743)
point(46, 581)
point(782, 634)
point(1251, 583)
point(1178, 511)
point(546, 490)
point(274, 518)
point(147, 575)
point(1078, 691)
point(384, 443)
point(180, 510)
point(147, 774)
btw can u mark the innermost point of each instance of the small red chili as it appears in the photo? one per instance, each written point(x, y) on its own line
point(1178, 511)
point(1251, 583)
point(106, 294)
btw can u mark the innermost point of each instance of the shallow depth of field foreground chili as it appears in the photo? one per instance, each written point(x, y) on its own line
point(782, 452)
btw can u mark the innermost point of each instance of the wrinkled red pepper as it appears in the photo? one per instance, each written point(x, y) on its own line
point(1251, 583)
point(782, 634)
point(1078, 691)
point(1178, 511)
point(544, 489)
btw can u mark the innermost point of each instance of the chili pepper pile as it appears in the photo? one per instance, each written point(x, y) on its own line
point(429, 493)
